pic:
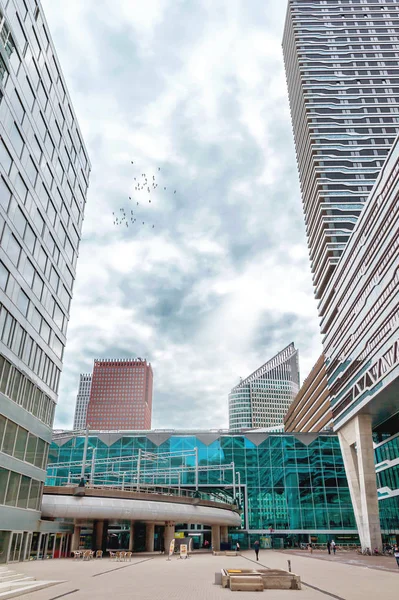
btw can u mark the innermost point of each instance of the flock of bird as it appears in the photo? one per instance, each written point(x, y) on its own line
point(141, 184)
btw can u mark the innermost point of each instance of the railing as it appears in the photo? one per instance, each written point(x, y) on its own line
point(158, 490)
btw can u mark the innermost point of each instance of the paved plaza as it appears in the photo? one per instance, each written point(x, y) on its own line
point(153, 577)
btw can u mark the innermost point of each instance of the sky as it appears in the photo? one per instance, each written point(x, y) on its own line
point(194, 93)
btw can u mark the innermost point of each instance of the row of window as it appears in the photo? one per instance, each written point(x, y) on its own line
point(27, 308)
point(19, 443)
point(19, 490)
point(15, 385)
point(70, 250)
point(35, 54)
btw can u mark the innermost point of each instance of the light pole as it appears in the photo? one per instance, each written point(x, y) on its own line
point(82, 472)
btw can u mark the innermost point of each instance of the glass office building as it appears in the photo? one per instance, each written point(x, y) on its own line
point(44, 172)
point(341, 61)
point(293, 485)
point(263, 398)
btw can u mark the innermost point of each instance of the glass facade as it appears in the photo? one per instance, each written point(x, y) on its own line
point(387, 466)
point(290, 483)
point(342, 71)
point(263, 398)
point(44, 172)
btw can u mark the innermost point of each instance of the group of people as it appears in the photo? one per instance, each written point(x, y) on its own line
point(331, 545)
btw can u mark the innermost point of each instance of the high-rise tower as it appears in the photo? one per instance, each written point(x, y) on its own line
point(44, 173)
point(121, 395)
point(342, 71)
point(263, 398)
point(82, 401)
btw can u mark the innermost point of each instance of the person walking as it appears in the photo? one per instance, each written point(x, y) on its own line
point(396, 554)
point(256, 548)
point(329, 547)
point(237, 547)
point(333, 546)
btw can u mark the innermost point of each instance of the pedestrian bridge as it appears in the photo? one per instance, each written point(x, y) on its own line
point(105, 504)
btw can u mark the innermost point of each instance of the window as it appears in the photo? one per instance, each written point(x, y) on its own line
point(16, 140)
point(31, 170)
point(9, 438)
point(20, 443)
point(23, 302)
point(19, 221)
point(28, 272)
point(13, 250)
point(38, 286)
point(30, 238)
point(5, 195)
point(18, 106)
point(3, 276)
point(12, 490)
point(5, 158)
point(21, 188)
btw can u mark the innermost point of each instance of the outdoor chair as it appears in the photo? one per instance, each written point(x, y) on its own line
point(128, 556)
point(76, 554)
point(112, 555)
point(99, 554)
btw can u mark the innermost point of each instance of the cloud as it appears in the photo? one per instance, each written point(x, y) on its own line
point(222, 282)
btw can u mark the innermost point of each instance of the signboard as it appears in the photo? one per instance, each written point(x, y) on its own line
point(179, 534)
point(171, 548)
point(183, 550)
point(265, 542)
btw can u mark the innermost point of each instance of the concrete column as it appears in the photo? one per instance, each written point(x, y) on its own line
point(224, 534)
point(75, 538)
point(98, 533)
point(216, 538)
point(149, 537)
point(356, 443)
point(131, 537)
point(169, 534)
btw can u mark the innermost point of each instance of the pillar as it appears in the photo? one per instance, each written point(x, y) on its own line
point(216, 538)
point(149, 537)
point(98, 534)
point(75, 538)
point(169, 535)
point(356, 443)
point(224, 534)
point(131, 537)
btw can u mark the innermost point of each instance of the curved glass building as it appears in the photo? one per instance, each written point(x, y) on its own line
point(263, 398)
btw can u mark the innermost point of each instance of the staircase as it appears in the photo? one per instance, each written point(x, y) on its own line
point(15, 584)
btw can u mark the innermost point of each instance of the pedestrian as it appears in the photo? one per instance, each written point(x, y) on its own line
point(256, 548)
point(329, 547)
point(396, 554)
point(237, 547)
point(333, 546)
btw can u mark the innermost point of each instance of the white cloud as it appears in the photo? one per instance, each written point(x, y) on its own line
point(222, 282)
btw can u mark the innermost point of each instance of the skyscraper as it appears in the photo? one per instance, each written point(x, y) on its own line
point(44, 173)
point(121, 395)
point(263, 398)
point(342, 72)
point(82, 401)
point(343, 79)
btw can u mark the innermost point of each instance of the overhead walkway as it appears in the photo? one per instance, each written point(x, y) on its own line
point(101, 505)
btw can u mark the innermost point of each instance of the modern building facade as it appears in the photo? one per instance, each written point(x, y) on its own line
point(342, 74)
point(291, 487)
point(82, 401)
point(121, 394)
point(262, 399)
point(341, 63)
point(362, 339)
point(310, 409)
point(44, 173)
